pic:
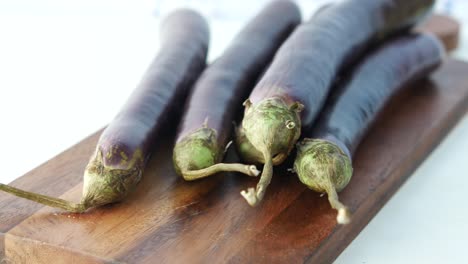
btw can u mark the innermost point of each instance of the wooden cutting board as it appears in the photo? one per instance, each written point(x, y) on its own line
point(168, 220)
point(446, 28)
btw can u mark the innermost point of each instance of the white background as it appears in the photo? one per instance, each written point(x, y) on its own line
point(67, 66)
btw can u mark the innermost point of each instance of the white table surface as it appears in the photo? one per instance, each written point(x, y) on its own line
point(67, 66)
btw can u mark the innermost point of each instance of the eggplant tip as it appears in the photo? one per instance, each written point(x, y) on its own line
point(197, 150)
point(324, 167)
point(197, 154)
point(344, 216)
point(250, 196)
point(105, 185)
point(254, 172)
point(321, 165)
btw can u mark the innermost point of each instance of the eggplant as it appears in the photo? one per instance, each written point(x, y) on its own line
point(125, 145)
point(216, 99)
point(324, 158)
point(295, 86)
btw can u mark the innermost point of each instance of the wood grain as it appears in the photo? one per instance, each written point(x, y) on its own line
point(54, 173)
point(168, 220)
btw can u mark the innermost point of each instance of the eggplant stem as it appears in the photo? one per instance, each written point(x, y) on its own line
point(44, 199)
point(344, 215)
point(249, 170)
point(255, 196)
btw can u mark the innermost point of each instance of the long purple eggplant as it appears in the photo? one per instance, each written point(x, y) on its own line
point(324, 157)
point(295, 86)
point(219, 92)
point(125, 145)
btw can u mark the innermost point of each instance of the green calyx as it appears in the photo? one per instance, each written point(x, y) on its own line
point(271, 124)
point(104, 185)
point(324, 167)
point(268, 133)
point(197, 155)
point(246, 150)
point(319, 161)
point(196, 151)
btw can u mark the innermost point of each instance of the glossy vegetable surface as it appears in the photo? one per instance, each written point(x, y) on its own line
point(324, 157)
point(125, 145)
point(218, 94)
point(295, 86)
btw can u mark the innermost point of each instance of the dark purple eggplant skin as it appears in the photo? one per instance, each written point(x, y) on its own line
point(324, 157)
point(295, 86)
point(353, 107)
point(217, 97)
point(182, 58)
point(226, 83)
point(306, 65)
point(125, 145)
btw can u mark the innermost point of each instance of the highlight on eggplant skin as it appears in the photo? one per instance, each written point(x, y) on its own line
point(294, 88)
point(125, 146)
point(217, 96)
point(324, 158)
